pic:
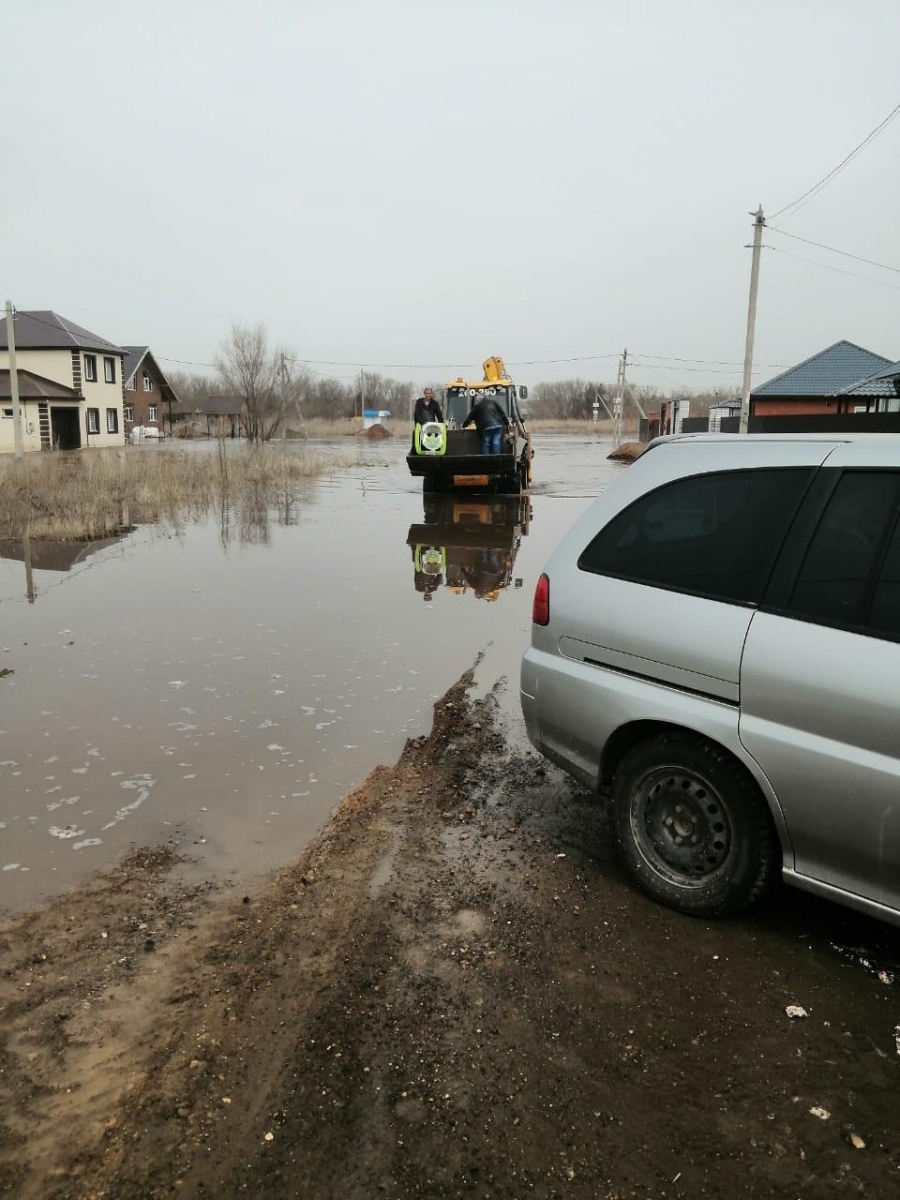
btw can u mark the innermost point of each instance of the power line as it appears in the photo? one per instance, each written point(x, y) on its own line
point(709, 362)
point(797, 204)
point(870, 262)
point(694, 370)
point(837, 270)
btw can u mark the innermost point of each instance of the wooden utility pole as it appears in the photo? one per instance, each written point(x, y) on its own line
point(619, 401)
point(14, 379)
point(759, 222)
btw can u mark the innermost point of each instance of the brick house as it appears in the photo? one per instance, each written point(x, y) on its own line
point(70, 385)
point(148, 395)
point(819, 386)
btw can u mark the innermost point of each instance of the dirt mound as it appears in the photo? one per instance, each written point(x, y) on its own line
point(627, 452)
point(375, 433)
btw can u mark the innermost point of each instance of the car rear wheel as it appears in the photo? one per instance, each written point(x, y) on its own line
point(692, 827)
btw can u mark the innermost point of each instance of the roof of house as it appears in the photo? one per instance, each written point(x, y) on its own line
point(826, 373)
point(883, 383)
point(134, 356)
point(36, 387)
point(212, 406)
point(41, 329)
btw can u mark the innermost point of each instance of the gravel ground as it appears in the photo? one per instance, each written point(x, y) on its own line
point(454, 992)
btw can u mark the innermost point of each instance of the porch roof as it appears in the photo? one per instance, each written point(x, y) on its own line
point(36, 387)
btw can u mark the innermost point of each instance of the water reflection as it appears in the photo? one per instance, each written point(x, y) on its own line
point(468, 544)
point(47, 554)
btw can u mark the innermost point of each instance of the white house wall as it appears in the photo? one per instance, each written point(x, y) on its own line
point(57, 365)
point(31, 434)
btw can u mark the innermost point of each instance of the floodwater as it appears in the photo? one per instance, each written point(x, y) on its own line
point(225, 683)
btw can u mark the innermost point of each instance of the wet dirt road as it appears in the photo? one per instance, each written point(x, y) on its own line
point(224, 684)
point(453, 992)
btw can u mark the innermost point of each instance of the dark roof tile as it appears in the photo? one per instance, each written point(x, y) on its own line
point(826, 373)
point(883, 383)
point(41, 329)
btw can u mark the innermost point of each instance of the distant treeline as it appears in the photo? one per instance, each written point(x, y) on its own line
point(573, 399)
point(317, 396)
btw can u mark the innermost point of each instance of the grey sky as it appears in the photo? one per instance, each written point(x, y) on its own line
point(436, 181)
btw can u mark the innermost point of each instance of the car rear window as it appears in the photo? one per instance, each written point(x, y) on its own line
point(884, 614)
point(837, 580)
point(714, 535)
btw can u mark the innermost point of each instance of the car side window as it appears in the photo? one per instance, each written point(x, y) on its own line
point(835, 581)
point(884, 612)
point(714, 535)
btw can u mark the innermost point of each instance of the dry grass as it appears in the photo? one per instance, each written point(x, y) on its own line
point(89, 495)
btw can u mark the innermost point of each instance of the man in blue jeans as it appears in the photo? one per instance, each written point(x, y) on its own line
point(490, 420)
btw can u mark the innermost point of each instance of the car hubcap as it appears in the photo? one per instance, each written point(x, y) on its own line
point(681, 826)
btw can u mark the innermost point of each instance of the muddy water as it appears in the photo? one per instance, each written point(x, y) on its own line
point(224, 684)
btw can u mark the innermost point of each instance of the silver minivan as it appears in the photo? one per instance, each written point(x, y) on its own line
point(716, 647)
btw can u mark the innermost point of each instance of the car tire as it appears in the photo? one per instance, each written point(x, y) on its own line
point(691, 826)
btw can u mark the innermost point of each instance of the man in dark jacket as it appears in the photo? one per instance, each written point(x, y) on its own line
point(490, 420)
point(427, 409)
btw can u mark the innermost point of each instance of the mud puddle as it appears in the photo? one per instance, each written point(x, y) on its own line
point(220, 687)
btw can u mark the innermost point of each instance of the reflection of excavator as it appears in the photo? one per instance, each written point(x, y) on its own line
point(468, 545)
point(446, 456)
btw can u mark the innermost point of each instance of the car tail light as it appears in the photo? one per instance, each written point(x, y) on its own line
point(540, 611)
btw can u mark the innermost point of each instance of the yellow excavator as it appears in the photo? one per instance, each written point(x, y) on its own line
point(446, 456)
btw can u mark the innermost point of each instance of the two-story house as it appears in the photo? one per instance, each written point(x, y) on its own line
point(70, 385)
point(148, 394)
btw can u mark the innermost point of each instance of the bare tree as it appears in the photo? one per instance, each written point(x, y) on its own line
point(191, 388)
point(252, 371)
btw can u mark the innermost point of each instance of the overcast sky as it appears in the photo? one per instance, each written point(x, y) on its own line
point(433, 181)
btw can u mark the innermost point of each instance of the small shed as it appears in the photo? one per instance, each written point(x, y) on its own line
point(223, 415)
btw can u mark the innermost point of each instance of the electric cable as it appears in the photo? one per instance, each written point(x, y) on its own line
point(826, 179)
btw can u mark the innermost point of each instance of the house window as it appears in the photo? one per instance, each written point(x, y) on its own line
point(93, 420)
point(109, 370)
point(90, 368)
point(151, 412)
point(148, 383)
point(7, 414)
point(129, 386)
point(112, 421)
point(129, 413)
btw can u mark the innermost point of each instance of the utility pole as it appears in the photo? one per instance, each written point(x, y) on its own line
point(362, 396)
point(600, 401)
point(14, 379)
point(758, 225)
point(283, 398)
point(619, 401)
point(634, 399)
